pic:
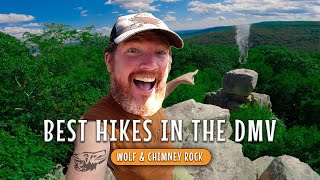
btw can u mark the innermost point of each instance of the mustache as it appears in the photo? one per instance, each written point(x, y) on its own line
point(142, 73)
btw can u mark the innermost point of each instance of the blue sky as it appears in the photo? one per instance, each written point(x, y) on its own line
point(18, 16)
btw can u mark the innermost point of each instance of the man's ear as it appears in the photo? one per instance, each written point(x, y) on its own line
point(108, 60)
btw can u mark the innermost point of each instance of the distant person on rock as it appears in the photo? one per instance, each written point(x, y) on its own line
point(138, 59)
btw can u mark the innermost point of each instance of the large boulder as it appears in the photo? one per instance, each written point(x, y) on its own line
point(288, 168)
point(262, 163)
point(189, 110)
point(240, 82)
point(227, 160)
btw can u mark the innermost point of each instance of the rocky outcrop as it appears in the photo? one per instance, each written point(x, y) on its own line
point(261, 164)
point(227, 160)
point(189, 110)
point(237, 87)
point(288, 168)
point(239, 82)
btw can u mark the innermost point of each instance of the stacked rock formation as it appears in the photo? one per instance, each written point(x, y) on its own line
point(237, 89)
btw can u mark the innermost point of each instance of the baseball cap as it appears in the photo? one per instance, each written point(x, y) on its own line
point(129, 25)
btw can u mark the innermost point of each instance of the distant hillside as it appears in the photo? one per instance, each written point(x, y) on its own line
point(190, 33)
point(300, 35)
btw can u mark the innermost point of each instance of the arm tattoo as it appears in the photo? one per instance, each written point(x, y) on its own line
point(89, 160)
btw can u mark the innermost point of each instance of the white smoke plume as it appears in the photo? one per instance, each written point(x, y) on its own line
point(242, 37)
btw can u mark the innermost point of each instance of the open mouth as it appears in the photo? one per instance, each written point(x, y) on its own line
point(144, 83)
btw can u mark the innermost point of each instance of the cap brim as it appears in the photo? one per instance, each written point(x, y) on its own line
point(174, 38)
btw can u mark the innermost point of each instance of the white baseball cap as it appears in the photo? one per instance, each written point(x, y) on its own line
point(129, 25)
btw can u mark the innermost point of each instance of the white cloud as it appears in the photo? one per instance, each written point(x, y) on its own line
point(219, 18)
point(264, 8)
point(315, 9)
point(19, 31)
point(171, 12)
point(32, 25)
point(250, 11)
point(12, 17)
point(104, 30)
point(204, 8)
point(115, 12)
point(189, 19)
point(84, 13)
point(134, 6)
point(79, 8)
point(132, 11)
point(209, 22)
point(168, 17)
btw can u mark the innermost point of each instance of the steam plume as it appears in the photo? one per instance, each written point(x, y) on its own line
point(242, 37)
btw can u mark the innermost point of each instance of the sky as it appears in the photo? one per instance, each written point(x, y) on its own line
point(19, 16)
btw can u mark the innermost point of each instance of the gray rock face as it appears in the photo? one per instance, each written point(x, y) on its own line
point(209, 98)
point(233, 101)
point(262, 163)
point(261, 99)
point(189, 110)
point(237, 87)
point(240, 81)
point(227, 160)
point(288, 168)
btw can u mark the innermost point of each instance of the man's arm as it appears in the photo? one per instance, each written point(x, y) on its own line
point(187, 78)
point(89, 159)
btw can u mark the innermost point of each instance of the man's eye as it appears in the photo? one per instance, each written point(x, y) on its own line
point(133, 51)
point(161, 53)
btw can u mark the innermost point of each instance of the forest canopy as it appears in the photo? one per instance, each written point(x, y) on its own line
point(61, 73)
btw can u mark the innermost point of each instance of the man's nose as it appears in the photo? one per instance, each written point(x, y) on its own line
point(149, 62)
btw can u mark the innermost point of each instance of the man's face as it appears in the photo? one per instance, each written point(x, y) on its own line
point(139, 71)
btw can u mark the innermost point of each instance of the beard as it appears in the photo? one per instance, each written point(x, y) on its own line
point(143, 105)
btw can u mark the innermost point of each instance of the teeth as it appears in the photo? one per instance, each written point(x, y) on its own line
point(145, 79)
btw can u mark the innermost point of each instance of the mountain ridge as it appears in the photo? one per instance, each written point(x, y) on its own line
point(298, 35)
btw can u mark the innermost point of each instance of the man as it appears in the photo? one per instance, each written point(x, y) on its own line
point(138, 59)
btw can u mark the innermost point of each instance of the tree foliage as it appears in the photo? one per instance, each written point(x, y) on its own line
point(61, 73)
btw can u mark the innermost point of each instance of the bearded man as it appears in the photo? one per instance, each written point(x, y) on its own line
point(138, 59)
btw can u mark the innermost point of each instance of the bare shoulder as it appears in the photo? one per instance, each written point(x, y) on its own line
point(90, 157)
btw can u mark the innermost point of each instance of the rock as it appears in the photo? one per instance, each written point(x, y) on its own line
point(261, 99)
point(235, 97)
point(209, 98)
point(233, 105)
point(227, 160)
point(109, 175)
point(261, 164)
point(288, 168)
point(240, 81)
point(189, 110)
point(180, 173)
point(221, 99)
point(229, 101)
